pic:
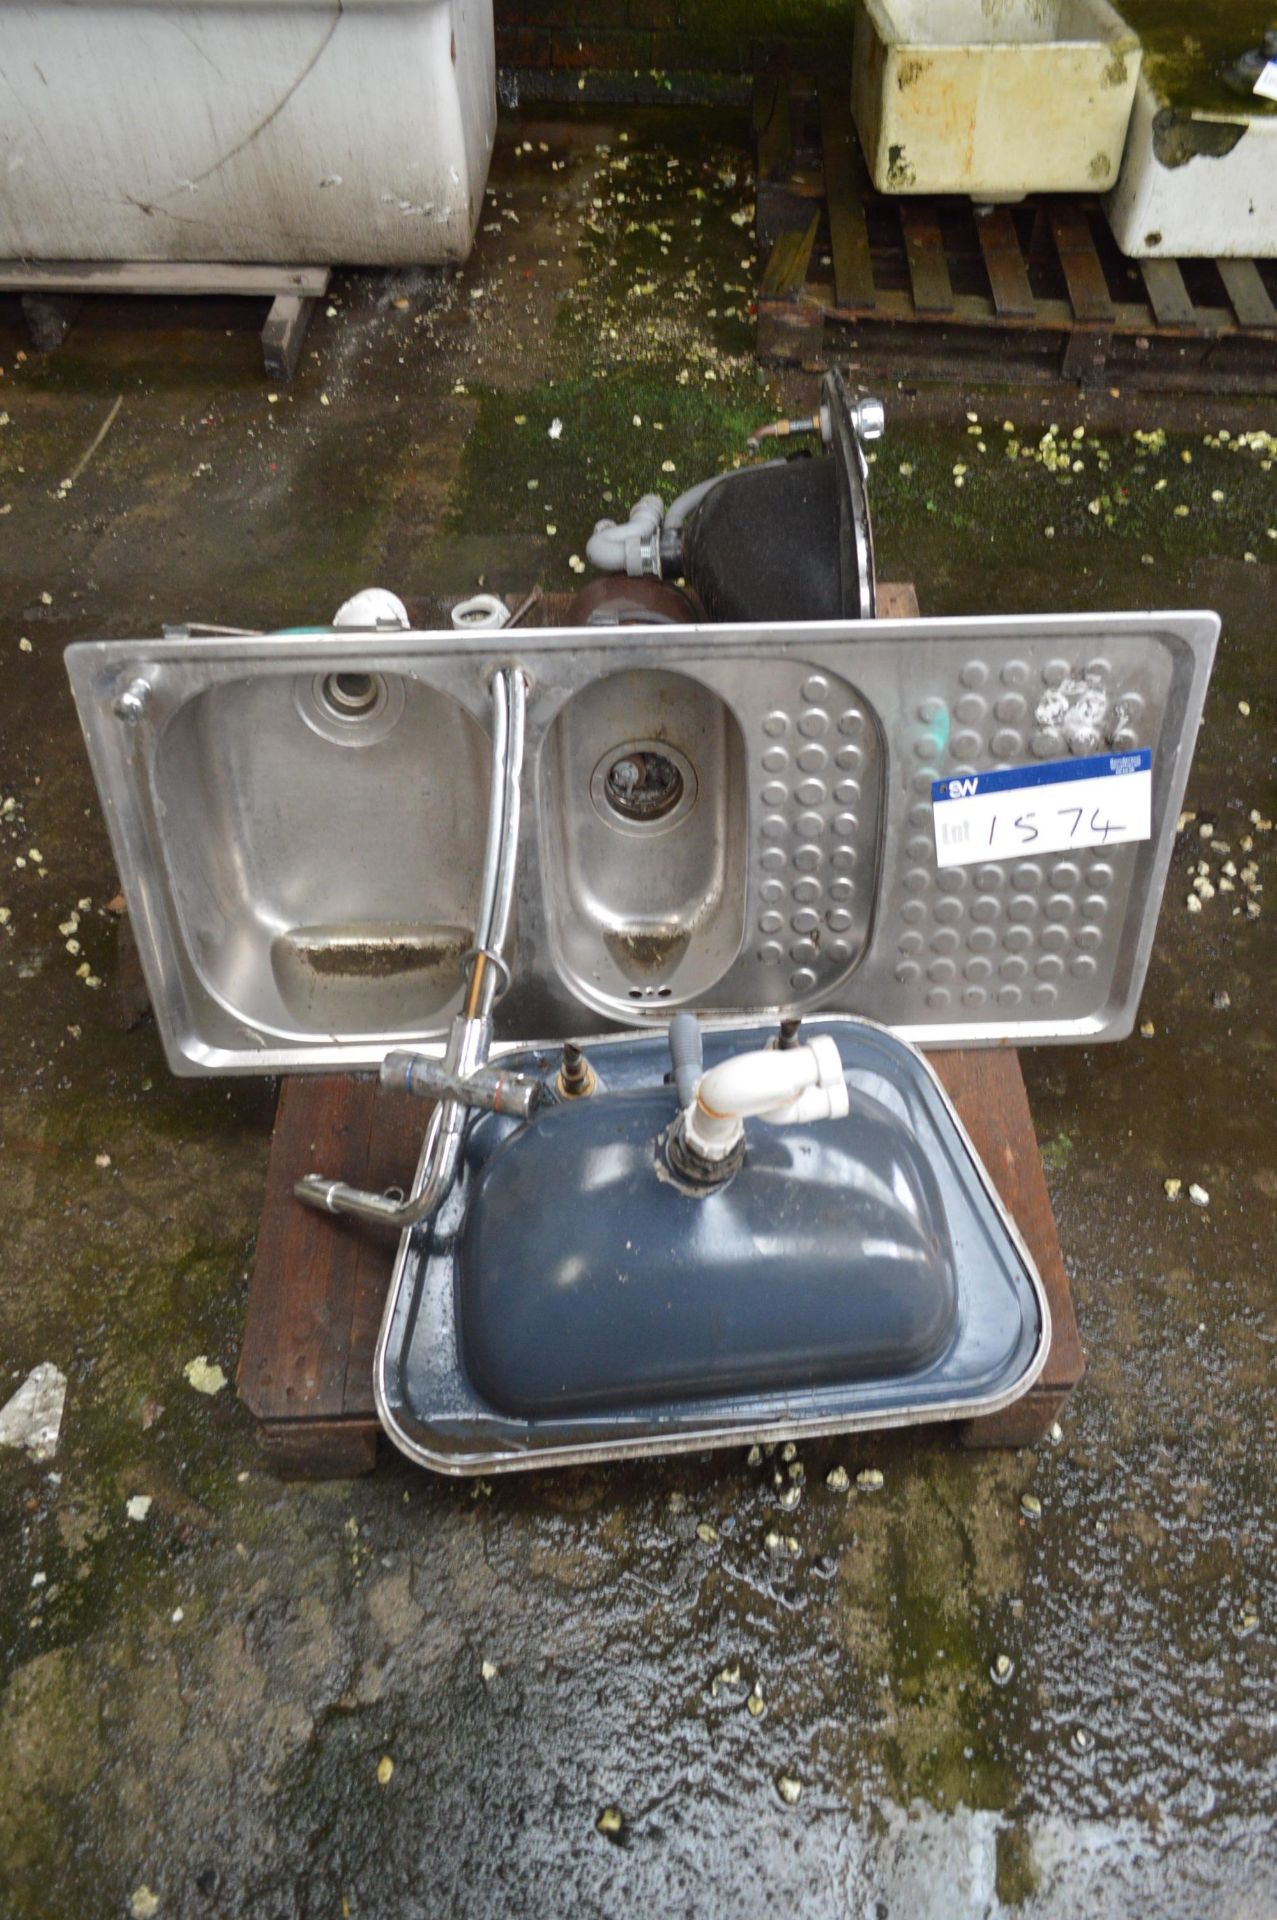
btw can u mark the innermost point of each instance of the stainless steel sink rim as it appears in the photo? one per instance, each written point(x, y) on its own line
point(890, 663)
point(623, 1437)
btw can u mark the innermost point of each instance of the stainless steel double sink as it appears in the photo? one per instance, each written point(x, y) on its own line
point(736, 819)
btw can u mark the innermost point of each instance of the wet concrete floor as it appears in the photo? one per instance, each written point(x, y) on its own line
point(264, 1700)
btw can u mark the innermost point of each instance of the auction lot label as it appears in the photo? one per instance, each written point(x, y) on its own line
point(1060, 805)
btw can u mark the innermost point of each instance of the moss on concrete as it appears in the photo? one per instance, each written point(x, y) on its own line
point(655, 384)
point(986, 513)
point(1187, 46)
point(620, 437)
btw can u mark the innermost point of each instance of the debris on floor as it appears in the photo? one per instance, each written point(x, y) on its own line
point(33, 1417)
point(204, 1376)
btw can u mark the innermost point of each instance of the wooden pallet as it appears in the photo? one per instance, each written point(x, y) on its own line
point(319, 1282)
point(53, 293)
point(936, 286)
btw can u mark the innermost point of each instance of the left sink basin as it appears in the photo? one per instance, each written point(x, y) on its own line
point(300, 824)
point(293, 811)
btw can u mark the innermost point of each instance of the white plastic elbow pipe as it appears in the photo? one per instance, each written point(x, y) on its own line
point(798, 1085)
point(614, 549)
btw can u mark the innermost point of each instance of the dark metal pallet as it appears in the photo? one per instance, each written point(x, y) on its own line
point(1037, 291)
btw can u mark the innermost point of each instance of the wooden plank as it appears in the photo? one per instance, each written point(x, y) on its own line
point(782, 205)
point(987, 1088)
point(968, 309)
point(49, 318)
point(395, 1143)
point(1085, 355)
point(1241, 361)
point(1004, 262)
point(1248, 294)
point(1083, 274)
point(844, 195)
point(785, 275)
point(169, 277)
point(1024, 1423)
point(894, 340)
point(129, 1003)
point(897, 600)
point(1031, 359)
point(284, 333)
point(306, 1315)
point(791, 333)
point(790, 327)
point(320, 1449)
point(1169, 297)
point(924, 253)
point(1086, 349)
point(761, 97)
point(293, 1360)
point(772, 125)
point(974, 310)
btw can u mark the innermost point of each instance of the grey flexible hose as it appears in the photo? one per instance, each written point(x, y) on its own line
point(686, 1056)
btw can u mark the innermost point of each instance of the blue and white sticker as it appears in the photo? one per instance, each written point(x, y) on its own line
point(1103, 800)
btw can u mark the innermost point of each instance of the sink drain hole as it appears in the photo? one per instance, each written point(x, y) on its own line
point(351, 706)
point(348, 696)
point(643, 786)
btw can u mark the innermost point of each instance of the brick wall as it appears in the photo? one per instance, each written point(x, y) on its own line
point(650, 38)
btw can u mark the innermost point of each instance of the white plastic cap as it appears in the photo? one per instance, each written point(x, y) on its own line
point(375, 607)
point(482, 613)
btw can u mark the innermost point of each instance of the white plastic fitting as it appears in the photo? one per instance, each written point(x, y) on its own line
point(633, 548)
point(802, 1084)
point(482, 613)
point(371, 610)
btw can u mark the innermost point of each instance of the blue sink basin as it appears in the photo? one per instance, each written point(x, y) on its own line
point(570, 1302)
point(589, 1280)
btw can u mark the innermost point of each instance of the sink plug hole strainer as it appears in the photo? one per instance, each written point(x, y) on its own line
point(643, 786)
point(350, 706)
point(350, 695)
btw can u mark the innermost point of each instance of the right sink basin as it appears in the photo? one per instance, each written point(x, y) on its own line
point(644, 817)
